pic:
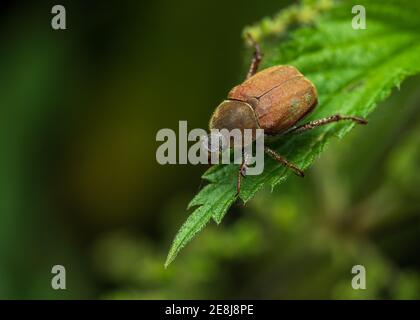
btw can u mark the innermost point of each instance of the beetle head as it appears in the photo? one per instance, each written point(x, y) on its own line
point(215, 143)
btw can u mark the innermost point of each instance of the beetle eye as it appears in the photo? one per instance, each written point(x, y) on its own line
point(214, 142)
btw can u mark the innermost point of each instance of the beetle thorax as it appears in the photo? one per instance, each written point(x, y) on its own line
point(233, 114)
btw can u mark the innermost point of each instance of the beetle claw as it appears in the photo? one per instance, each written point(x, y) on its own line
point(360, 120)
point(300, 173)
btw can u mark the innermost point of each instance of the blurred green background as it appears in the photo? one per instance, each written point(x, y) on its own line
point(80, 186)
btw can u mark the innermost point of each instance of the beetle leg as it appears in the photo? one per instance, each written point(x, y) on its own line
point(323, 121)
point(241, 173)
point(273, 154)
point(256, 58)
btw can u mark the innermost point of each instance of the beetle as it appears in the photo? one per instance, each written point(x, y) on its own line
point(274, 99)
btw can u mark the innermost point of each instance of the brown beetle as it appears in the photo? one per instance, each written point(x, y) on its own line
point(274, 99)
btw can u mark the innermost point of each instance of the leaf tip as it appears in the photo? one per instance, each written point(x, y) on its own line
point(170, 258)
point(167, 263)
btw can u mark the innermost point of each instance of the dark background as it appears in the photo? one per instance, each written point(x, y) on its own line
point(80, 186)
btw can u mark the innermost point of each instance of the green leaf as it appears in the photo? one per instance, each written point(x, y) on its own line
point(352, 69)
point(222, 196)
